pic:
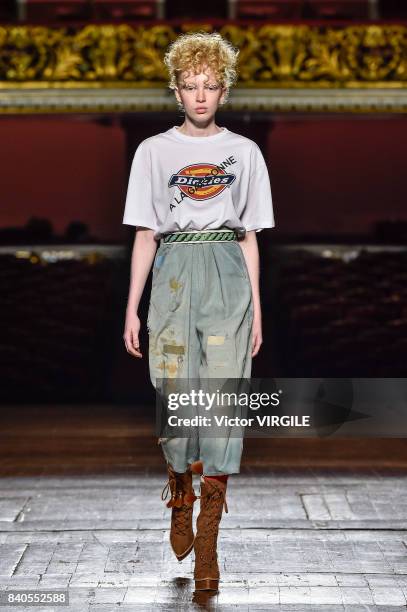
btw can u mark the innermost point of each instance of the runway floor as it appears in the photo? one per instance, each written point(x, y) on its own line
point(316, 537)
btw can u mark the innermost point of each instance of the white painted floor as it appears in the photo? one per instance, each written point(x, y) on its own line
point(292, 540)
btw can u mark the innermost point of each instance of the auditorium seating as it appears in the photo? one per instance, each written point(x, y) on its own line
point(337, 9)
point(338, 318)
point(393, 9)
point(179, 9)
point(8, 10)
point(299, 9)
point(125, 10)
point(268, 9)
point(49, 11)
point(328, 318)
point(99, 10)
point(57, 331)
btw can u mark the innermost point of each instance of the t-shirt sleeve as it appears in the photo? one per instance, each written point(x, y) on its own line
point(139, 208)
point(258, 212)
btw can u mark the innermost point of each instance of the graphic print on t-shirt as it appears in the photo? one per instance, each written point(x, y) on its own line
point(201, 181)
point(179, 182)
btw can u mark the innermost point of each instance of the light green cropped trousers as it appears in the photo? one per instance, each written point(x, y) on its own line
point(200, 327)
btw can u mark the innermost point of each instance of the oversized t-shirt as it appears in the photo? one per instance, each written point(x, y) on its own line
point(180, 182)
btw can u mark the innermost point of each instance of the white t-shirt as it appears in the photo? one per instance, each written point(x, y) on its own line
point(181, 182)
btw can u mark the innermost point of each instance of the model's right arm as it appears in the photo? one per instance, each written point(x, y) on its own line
point(142, 258)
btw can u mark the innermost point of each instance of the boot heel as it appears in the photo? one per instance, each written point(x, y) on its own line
point(207, 584)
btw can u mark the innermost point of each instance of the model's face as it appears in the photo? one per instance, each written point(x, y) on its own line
point(200, 95)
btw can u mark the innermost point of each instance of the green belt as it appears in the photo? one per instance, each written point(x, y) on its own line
point(219, 235)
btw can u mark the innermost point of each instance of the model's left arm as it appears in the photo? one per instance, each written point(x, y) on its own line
point(251, 255)
point(258, 214)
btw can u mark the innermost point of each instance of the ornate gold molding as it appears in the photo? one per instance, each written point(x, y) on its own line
point(68, 69)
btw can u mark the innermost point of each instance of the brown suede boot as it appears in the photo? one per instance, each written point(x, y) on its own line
point(213, 499)
point(181, 502)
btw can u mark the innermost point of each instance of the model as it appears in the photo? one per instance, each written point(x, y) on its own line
point(203, 191)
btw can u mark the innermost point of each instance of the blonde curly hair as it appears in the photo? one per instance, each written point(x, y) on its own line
point(194, 50)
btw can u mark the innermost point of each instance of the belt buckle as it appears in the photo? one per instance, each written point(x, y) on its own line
point(240, 232)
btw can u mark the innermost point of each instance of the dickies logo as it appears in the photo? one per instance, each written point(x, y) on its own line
point(201, 181)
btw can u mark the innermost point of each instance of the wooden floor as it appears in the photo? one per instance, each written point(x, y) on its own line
point(75, 439)
point(313, 525)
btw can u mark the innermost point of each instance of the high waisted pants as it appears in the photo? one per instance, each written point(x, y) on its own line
point(200, 327)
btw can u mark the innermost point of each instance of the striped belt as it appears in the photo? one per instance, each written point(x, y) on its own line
point(218, 235)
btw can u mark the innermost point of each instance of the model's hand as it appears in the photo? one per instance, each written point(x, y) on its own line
point(257, 338)
point(131, 334)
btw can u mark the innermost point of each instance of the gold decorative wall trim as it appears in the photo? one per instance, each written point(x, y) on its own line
point(282, 67)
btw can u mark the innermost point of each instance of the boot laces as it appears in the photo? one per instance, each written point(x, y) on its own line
point(215, 493)
point(212, 500)
point(181, 502)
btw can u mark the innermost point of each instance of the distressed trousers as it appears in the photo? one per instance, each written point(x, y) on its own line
point(200, 327)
